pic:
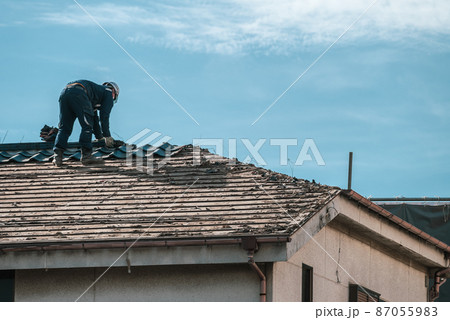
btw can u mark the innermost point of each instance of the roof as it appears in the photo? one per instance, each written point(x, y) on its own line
point(395, 219)
point(42, 204)
point(192, 196)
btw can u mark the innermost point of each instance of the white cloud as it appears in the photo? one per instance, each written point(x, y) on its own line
point(231, 26)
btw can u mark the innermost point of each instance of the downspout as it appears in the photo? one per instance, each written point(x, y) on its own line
point(439, 280)
point(251, 245)
point(262, 277)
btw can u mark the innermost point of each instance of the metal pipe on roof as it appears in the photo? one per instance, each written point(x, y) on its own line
point(350, 168)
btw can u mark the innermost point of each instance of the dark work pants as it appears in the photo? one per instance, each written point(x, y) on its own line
point(74, 104)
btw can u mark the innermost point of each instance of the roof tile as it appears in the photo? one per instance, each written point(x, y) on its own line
point(40, 203)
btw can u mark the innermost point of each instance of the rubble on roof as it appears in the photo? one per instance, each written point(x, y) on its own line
point(180, 199)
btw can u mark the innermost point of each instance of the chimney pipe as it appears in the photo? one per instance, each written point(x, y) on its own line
point(350, 168)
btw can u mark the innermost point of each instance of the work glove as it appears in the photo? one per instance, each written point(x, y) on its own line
point(109, 142)
point(99, 140)
point(116, 143)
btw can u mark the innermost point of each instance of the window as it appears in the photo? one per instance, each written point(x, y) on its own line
point(6, 286)
point(361, 294)
point(307, 283)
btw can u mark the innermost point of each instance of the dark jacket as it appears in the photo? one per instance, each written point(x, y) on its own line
point(101, 102)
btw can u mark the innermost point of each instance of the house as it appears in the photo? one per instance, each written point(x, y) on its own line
point(198, 227)
point(428, 214)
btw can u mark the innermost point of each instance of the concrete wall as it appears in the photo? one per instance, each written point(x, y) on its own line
point(395, 278)
point(236, 282)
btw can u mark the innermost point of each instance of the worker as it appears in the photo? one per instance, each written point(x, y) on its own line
point(83, 100)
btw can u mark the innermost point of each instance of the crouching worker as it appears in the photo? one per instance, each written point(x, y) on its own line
point(83, 100)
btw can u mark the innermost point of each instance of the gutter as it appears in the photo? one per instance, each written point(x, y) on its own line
point(439, 280)
point(402, 223)
point(49, 246)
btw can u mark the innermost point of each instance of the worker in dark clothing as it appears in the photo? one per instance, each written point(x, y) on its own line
point(83, 100)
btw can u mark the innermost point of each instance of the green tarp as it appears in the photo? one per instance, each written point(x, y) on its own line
point(433, 219)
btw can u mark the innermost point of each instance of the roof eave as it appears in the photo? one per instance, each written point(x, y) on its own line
point(395, 219)
point(126, 244)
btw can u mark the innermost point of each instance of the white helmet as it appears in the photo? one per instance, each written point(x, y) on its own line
point(113, 86)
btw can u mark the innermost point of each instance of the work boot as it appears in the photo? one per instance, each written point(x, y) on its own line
point(58, 157)
point(87, 158)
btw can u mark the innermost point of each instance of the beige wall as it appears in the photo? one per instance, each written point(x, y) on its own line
point(367, 264)
point(363, 262)
point(160, 283)
point(396, 279)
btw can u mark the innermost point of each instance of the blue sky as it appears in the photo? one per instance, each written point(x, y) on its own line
point(382, 91)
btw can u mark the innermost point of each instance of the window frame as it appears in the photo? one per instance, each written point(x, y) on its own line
point(356, 292)
point(307, 283)
point(7, 293)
